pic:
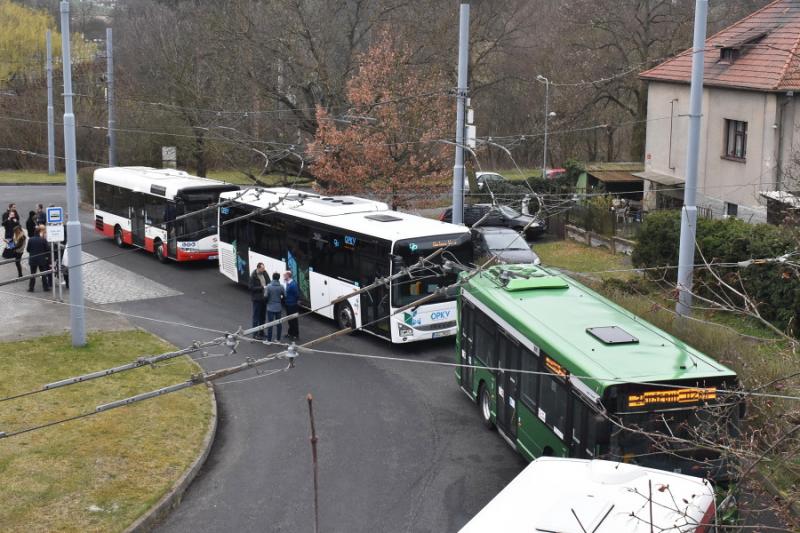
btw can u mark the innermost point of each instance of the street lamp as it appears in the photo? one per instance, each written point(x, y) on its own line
point(547, 114)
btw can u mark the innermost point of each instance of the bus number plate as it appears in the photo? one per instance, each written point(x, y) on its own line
point(212, 257)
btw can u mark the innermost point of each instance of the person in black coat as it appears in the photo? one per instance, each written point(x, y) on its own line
point(31, 223)
point(10, 221)
point(39, 259)
point(258, 282)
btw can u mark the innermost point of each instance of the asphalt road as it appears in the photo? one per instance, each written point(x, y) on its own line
point(401, 448)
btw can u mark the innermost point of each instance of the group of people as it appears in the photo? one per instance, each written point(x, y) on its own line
point(33, 239)
point(269, 297)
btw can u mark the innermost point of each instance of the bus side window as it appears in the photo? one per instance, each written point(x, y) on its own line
point(485, 345)
point(554, 401)
point(530, 382)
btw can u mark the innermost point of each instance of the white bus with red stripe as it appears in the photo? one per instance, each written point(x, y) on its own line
point(167, 212)
point(557, 494)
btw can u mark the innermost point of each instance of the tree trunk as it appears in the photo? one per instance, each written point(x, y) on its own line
point(200, 153)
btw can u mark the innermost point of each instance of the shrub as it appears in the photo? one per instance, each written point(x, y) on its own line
point(773, 287)
point(86, 183)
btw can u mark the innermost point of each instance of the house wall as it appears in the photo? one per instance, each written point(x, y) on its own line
point(720, 180)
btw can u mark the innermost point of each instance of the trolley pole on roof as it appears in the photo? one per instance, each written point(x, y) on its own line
point(51, 128)
point(689, 211)
point(112, 123)
point(76, 314)
point(461, 94)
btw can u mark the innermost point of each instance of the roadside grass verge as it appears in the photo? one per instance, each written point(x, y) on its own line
point(742, 343)
point(102, 472)
point(29, 177)
point(513, 174)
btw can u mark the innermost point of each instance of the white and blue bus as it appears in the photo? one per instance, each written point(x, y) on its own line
point(333, 245)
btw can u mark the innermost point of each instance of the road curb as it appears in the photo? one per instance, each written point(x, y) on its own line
point(31, 184)
point(173, 497)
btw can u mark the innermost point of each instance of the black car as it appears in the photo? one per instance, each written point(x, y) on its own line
point(500, 215)
point(505, 243)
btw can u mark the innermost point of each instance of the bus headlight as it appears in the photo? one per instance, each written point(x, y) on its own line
point(404, 330)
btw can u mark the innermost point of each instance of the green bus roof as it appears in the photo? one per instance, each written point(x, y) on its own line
point(587, 334)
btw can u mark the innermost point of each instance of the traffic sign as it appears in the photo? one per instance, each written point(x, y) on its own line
point(55, 215)
point(55, 233)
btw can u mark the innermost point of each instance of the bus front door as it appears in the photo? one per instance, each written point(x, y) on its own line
point(508, 351)
point(137, 219)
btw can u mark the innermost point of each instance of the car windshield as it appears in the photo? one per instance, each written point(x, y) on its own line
point(510, 212)
point(506, 240)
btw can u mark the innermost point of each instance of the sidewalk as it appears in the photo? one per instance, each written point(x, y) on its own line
point(33, 314)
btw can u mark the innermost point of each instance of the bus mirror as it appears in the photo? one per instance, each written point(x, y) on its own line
point(602, 429)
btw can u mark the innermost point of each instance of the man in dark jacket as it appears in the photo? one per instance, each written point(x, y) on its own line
point(39, 257)
point(290, 300)
point(258, 282)
point(275, 294)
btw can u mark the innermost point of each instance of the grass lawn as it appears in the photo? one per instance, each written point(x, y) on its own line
point(513, 174)
point(577, 257)
point(99, 473)
point(29, 176)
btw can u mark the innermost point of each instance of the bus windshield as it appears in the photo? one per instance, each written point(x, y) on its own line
point(425, 281)
point(201, 224)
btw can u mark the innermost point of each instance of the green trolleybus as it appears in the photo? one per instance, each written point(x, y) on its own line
point(571, 374)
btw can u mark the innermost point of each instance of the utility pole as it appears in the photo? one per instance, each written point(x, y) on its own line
point(546, 117)
point(76, 314)
point(689, 211)
point(313, 439)
point(461, 95)
point(112, 123)
point(51, 125)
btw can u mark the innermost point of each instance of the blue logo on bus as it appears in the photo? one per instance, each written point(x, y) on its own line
point(349, 240)
point(440, 315)
point(413, 247)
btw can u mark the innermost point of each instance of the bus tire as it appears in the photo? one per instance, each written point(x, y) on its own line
point(484, 406)
point(345, 318)
point(158, 249)
point(118, 238)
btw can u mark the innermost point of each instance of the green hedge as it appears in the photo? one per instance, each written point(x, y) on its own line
point(775, 288)
point(86, 183)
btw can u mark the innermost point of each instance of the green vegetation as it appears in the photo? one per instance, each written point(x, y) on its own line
point(522, 174)
point(576, 257)
point(29, 177)
point(102, 472)
point(238, 178)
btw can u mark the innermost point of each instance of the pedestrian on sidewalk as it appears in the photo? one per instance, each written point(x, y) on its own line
point(275, 294)
point(257, 285)
point(41, 214)
point(10, 221)
point(39, 257)
point(19, 241)
point(291, 301)
point(31, 223)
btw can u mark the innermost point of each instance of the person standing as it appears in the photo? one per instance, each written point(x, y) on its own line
point(41, 214)
point(10, 221)
point(275, 294)
point(19, 241)
point(31, 223)
point(39, 255)
point(291, 301)
point(258, 285)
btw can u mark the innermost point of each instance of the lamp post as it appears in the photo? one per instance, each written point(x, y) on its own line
point(547, 114)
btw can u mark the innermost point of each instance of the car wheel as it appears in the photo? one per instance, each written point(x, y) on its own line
point(484, 406)
point(118, 237)
point(345, 318)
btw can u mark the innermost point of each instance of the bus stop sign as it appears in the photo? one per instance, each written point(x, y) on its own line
point(55, 215)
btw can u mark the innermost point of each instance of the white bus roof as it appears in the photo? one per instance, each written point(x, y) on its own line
point(350, 213)
point(606, 497)
point(141, 179)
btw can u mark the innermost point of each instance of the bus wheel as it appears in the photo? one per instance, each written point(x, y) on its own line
point(118, 237)
point(345, 318)
point(158, 247)
point(485, 407)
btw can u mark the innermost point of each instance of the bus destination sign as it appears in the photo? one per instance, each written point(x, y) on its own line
point(671, 397)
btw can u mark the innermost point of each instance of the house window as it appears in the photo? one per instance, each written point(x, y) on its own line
point(731, 210)
point(735, 139)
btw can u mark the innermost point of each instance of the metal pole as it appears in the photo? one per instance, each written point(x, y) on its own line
point(314, 459)
point(77, 325)
point(53, 268)
point(462, 91)
point(60, 273)
point(689, 211)
point(51, 128)
point(546, 116)
point(112, 123)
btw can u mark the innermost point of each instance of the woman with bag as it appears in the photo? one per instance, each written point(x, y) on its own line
point(10, 221)
point(19, 242)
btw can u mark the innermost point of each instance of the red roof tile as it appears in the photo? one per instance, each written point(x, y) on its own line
point(766, 48)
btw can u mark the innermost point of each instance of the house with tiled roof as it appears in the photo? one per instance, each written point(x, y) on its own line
point(750, 141)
